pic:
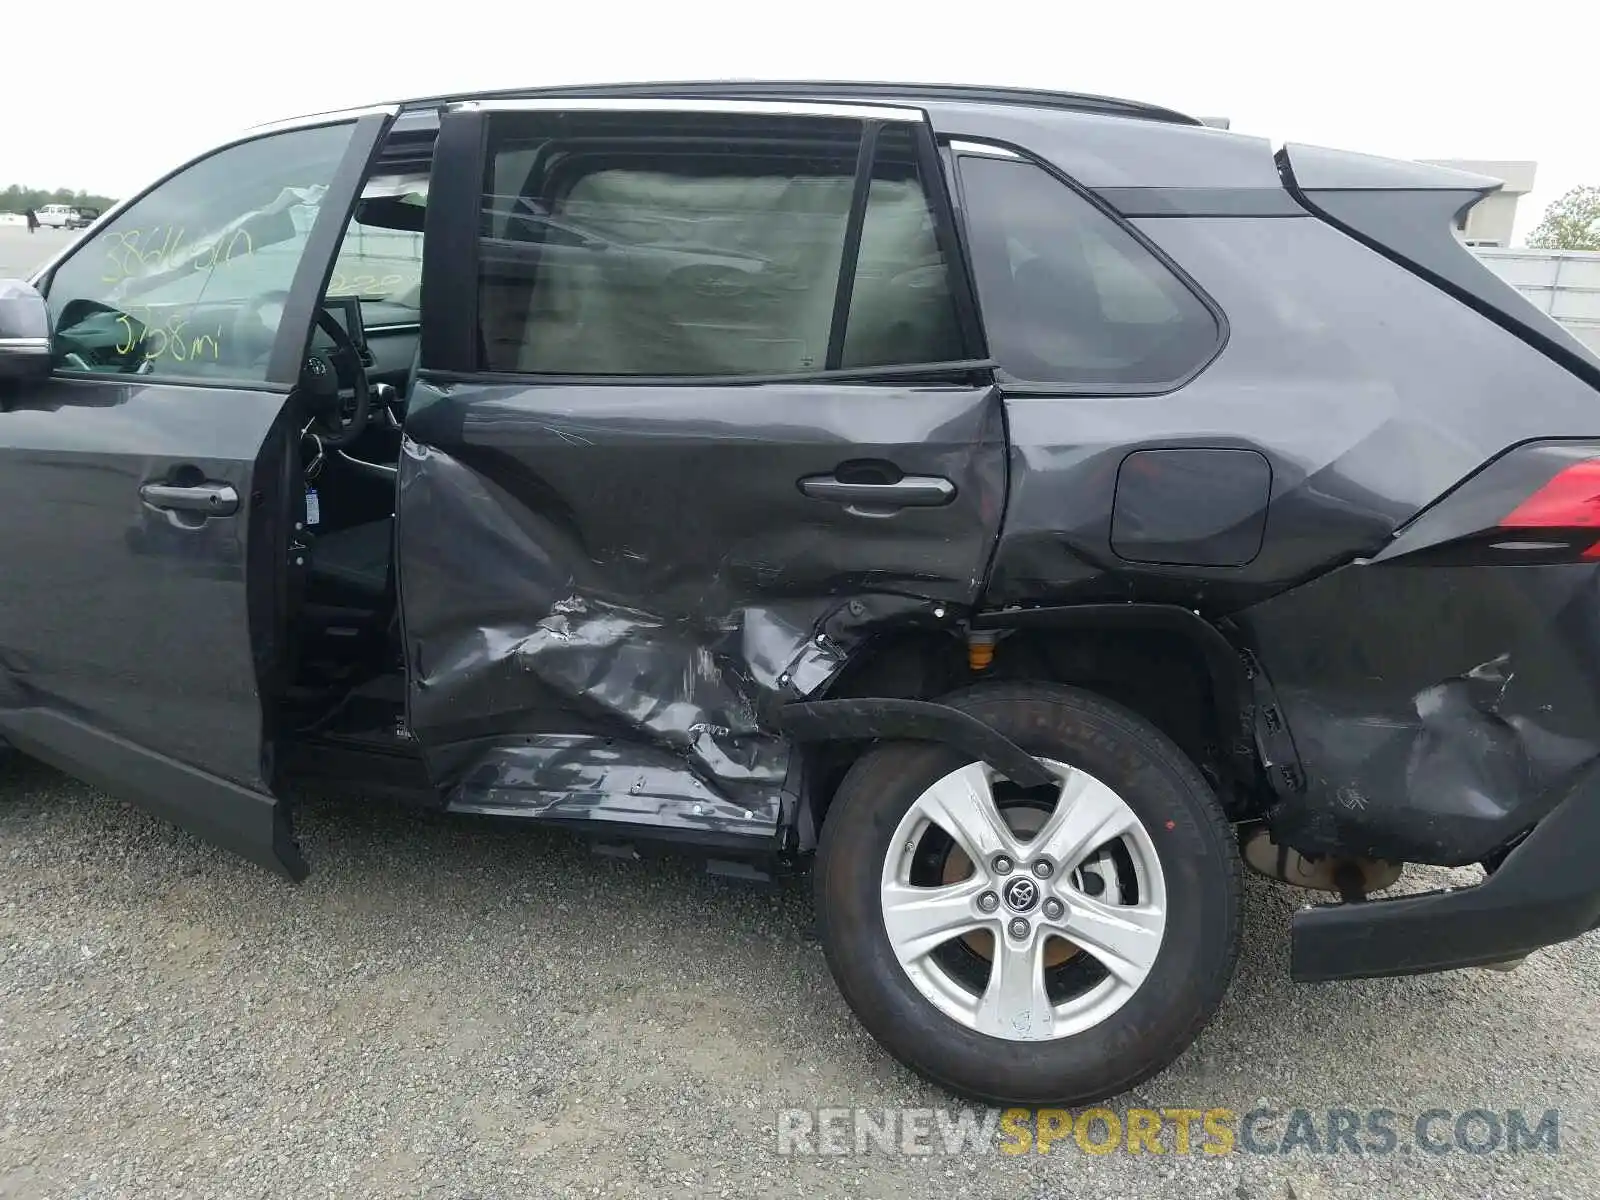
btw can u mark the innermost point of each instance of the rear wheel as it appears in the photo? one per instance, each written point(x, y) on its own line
point(1057, 945)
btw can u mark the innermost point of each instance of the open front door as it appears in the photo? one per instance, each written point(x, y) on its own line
point(152, 481)
point(700, 413)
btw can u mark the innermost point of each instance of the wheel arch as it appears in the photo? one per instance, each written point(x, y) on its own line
point(1166, 663)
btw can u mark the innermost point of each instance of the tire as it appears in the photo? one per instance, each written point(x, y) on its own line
point(1197, 866)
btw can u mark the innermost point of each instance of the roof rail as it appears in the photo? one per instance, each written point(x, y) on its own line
point(753, 89)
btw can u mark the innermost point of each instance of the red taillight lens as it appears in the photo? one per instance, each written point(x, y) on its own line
point(1571, 500)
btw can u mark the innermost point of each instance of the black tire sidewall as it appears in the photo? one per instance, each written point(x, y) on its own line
point(1198, 862)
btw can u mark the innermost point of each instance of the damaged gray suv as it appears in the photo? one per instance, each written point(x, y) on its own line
point(1025, 509)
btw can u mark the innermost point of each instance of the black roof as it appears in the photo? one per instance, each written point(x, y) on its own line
point(737, 89)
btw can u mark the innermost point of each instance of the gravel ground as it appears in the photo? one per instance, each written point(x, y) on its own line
point(456, 1009)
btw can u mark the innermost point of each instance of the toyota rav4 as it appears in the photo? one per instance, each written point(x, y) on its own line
point(1025, 509)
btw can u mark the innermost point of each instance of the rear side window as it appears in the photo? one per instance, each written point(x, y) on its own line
point(1070, 297)
point(696, 244)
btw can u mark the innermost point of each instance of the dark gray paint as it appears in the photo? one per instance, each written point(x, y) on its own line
point(1326, 423)
point(1436, 710)
point(1408, 211)
point(640, 563)
point(1116, 152)
point(1195, 507)
point(129, 633)
point(567, 777)
point(1441, 695)
point(1322, 168)
point(1201, 201)
point(1366, 412)
point(1414, 229)
point(90, 559)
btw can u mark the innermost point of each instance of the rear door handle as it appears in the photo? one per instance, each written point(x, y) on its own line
point(911, 491)
point(212, 499)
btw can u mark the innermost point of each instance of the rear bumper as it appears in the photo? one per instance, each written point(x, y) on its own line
point(1546, 891)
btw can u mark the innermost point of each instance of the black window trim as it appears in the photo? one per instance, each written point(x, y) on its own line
point(850, 252)
point(945, 371)
point(450, 266)
point(956, 147)
point(451, 242)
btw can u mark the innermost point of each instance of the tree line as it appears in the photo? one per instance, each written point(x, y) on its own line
point(1571, 223)
point(17, 198)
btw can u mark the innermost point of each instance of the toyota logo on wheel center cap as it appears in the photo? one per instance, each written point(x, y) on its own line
point(1021, 894)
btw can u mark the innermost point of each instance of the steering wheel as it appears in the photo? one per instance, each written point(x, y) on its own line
point(319, 382)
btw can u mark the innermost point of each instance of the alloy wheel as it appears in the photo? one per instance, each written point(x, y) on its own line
point(1064, 890)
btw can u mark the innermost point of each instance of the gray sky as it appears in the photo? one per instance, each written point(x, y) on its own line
point(103, 96)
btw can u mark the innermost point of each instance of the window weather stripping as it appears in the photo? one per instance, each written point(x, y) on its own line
point(756, 108)
point(986, 149)
point(866, 154)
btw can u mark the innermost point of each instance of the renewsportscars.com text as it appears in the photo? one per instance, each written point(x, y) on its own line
point(1372, 1132)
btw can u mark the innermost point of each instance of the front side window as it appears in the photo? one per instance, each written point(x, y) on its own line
point(701, 245)
point(189, 281)
point(1070, 297)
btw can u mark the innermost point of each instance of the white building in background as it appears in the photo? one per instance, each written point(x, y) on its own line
point(1492, 219)
point(1563, 283)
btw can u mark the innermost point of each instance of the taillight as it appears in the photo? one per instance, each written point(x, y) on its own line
point(1571, 500)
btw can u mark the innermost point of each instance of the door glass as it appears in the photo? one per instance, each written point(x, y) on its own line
point(902, 309)
point(686, 245)
point(189, 281)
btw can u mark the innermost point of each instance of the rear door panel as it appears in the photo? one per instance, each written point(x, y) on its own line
point(607, 582)
point(641, 563)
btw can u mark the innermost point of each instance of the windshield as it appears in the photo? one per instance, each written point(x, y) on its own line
point(378, 263)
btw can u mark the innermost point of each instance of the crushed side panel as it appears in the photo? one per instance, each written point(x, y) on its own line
point(601, 611)
point(1436, 710)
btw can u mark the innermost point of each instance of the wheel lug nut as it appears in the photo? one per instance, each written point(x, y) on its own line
point(1053, 908)
point(1002, 865)
point(988, 902)
point(1018, 927)
point(1043, 869)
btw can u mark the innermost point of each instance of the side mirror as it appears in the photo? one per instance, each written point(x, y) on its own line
point(24, 331)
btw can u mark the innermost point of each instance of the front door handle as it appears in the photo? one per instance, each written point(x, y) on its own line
point(212, 499)
point(910, 491)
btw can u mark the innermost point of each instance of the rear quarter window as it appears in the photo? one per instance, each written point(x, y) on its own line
point(1070, 298)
